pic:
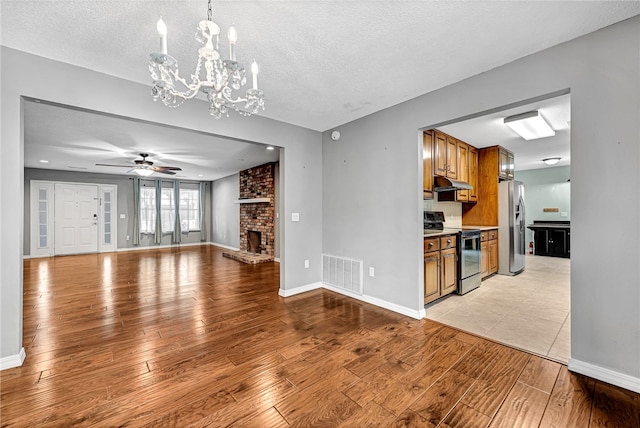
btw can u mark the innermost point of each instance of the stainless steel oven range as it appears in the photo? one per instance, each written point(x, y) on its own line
point(468, 260)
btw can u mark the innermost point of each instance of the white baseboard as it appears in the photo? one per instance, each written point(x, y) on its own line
point(417, 314)
point(606, 375)
point(378, 302)
point(228, 247)
point(12, 361)
point(158, 247)
point(298, 290)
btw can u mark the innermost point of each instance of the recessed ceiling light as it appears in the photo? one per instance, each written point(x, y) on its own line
point(529, 125)
point(199, 175)
point(270, 148)
point(44, 161)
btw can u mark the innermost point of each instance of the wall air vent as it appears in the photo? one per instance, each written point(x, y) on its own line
point(343, 273)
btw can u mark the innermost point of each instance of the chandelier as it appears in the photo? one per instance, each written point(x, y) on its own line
point(220, 80)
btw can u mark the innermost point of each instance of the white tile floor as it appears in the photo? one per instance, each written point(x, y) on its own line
point(530, 311)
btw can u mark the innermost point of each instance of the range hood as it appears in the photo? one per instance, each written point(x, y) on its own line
point(444, 184)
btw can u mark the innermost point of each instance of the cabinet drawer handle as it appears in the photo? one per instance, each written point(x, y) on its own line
point(431, 244)
point(448, 241)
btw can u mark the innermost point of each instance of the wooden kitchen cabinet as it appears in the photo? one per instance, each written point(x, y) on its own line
point(488, 252)
point(463, 170)
point(445, 155)
point(494, 165)
point(484, 259)
point(473, 174)
point(427, 164)
point(448, 271)
point(431, 276)
point(440, 267)
point(493, 256)
point(507, 162)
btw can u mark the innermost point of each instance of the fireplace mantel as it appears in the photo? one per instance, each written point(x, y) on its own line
point(253, 201)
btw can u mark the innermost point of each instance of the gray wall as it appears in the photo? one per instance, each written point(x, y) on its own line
point(125, 205)
point(226, 214)
point(21, 75)
point(546, 188)
point(372, 198)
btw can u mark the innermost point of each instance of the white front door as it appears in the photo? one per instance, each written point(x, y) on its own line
point(76, 218)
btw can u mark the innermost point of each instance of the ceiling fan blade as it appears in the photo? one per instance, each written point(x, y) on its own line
point(165, 168)
point(165, 172)
point(119, 166)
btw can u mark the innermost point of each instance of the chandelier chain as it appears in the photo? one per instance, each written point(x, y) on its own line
point(209, 12)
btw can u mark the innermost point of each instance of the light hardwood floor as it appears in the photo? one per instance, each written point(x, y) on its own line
point(185, 337)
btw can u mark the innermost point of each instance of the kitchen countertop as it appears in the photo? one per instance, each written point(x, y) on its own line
point(549, 226)
point(467, 226)
point(434, 233)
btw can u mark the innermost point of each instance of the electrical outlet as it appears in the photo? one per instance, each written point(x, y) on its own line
point(306, 264)
point(128, 237)
point(372, 272)
point(295, 216)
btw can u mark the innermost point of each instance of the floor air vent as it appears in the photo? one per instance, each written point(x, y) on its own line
point(342, 273)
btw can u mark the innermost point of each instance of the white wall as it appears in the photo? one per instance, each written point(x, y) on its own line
point(21, 75)
point(372, 197)
point(226, 214)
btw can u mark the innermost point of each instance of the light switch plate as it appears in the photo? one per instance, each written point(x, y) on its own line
point(123, 216)
point(295, 216)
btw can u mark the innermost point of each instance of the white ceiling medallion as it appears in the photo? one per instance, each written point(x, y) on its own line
point(218, 79)
point(529, 125)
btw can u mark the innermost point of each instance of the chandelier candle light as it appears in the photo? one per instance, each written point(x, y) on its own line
point(218, 79)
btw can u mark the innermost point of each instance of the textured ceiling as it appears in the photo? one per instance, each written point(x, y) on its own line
point(323, 63)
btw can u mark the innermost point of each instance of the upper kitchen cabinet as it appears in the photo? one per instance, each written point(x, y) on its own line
point(473, 174)
point(507, 164)
point(427, 164)
point(494, 164)
point(463, 170)
point(445, 161)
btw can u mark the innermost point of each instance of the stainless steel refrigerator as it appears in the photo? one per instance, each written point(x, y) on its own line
point(511, 227)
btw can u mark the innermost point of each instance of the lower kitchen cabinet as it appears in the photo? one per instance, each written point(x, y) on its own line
point(551, 239)
point(488, 252)
point(448, 271)
point(440, 267)
point(431, 276)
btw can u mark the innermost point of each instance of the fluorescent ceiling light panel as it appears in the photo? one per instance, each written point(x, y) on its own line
point(530, 125)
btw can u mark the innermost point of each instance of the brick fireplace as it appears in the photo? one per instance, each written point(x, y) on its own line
point(257, 218)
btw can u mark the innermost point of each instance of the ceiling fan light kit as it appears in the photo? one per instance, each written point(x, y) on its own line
point(145, 168)
point(218, 79)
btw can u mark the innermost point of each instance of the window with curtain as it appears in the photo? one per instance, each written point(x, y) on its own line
point(190, 209)
point(147, 210)
point(167, 210)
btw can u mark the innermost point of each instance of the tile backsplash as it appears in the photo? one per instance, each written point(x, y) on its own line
point(452, 211)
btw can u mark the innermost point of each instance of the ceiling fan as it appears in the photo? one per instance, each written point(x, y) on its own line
point(145, 167)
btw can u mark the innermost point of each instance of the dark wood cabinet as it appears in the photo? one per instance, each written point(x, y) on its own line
point(551, 239)
point(427, 165)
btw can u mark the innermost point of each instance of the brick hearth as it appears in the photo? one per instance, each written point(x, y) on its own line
point(257, 182)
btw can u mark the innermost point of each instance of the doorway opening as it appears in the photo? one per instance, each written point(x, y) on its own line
point(531, 310)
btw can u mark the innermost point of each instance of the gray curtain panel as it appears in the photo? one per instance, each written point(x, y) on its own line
point(177, 238)
point(158, 234)
point(203, 231)
point(136, 211)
